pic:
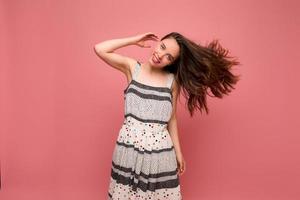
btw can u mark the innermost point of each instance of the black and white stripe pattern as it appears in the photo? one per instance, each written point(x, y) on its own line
point(148, 103)
point(144, 164)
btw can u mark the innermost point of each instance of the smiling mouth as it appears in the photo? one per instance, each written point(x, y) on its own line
point(155, 59)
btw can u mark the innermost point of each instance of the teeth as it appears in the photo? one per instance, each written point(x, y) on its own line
point(156, 60)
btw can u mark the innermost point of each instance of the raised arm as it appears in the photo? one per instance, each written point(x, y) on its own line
point(105, 51)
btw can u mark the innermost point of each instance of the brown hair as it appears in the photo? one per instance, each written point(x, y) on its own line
point(201, 67)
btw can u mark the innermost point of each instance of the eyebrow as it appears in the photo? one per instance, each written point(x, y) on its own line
point(166, 47)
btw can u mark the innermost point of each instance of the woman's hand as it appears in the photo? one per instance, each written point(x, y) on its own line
point(181, 164)
point(140, 39)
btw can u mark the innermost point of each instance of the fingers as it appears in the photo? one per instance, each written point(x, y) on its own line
point(147, 36)
point(151, 35)
point(181, 168)
point(154, 36)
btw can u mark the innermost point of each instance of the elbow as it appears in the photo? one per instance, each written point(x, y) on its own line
point(173, 116)
point(98, 50)
point(172, 120)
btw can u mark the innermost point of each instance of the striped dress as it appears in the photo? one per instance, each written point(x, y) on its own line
point(144, 162)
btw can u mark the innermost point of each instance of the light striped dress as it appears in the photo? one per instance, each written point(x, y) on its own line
point(144, 162)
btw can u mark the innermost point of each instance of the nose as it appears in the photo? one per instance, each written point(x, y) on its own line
point(159, 55)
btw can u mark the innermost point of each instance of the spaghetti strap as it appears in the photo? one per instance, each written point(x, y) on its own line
point(170, 80)
point(144, 162)
point(136, 70)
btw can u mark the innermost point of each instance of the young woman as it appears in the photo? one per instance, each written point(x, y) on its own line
point(147, 159)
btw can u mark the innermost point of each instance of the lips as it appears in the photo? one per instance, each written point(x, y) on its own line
point(155, 59)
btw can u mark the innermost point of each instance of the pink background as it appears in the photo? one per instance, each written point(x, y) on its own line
point(62, 107)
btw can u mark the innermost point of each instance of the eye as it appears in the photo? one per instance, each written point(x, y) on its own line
point(170, 59)
point(161, 46)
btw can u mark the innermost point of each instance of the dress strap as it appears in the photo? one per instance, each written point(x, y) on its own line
point(170, 80)
point(136, 70)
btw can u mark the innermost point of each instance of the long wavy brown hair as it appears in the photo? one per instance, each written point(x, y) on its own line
point(202, 67)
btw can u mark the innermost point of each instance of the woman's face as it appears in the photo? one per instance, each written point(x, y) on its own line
point(165, 53)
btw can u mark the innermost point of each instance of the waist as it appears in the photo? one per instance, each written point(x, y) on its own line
point(139, 125)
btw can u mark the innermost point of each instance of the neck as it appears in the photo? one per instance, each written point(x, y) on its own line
point(150, 69)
